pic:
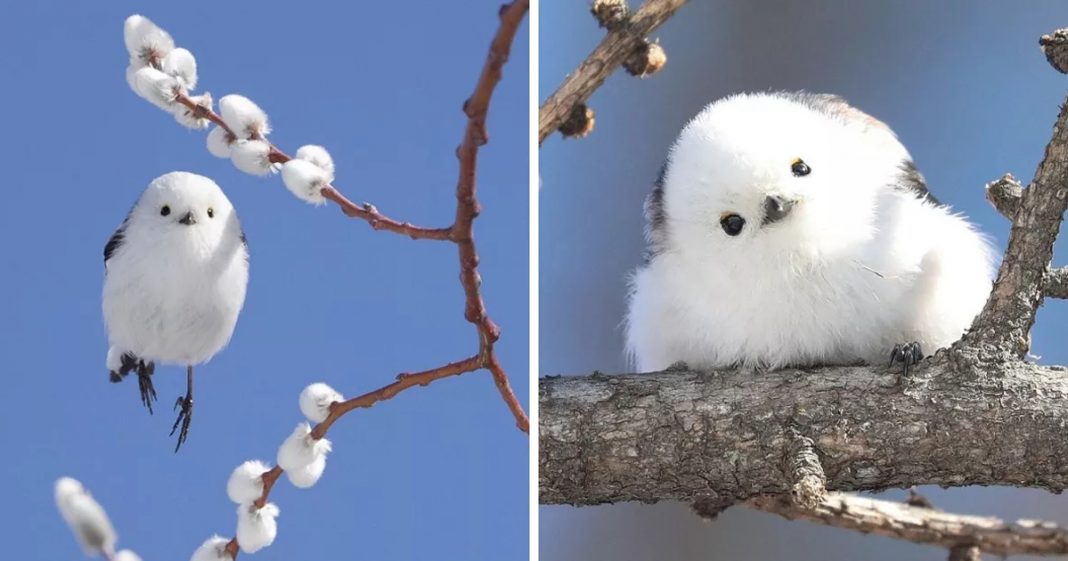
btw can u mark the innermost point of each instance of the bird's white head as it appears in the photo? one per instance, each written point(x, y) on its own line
point(773, 176)
point(188, 210)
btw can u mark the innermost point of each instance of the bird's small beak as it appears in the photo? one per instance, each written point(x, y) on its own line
point(188, 219)
point(776, 208)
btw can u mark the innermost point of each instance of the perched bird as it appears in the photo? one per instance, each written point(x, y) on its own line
point(175, 277)
point(791, 229)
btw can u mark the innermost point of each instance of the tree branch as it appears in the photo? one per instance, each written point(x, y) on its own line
point(721, 436)
point(1055, 45)
point(1005, 195)
point(617, 46)
point(963, 534)
point(1002, 331)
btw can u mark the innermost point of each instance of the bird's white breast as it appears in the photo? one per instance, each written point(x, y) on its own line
point(177, 304)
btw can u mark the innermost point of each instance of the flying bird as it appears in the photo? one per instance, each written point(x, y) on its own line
point(791, 229)
point(176, 271)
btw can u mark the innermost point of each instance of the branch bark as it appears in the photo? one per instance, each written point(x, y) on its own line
point(963, 535)
point(721, 436)
point(613, 51)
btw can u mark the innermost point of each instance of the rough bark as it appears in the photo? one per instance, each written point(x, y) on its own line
point(962, 534)
point(723, 436)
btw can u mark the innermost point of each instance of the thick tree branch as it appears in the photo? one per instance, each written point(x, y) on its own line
point(617, 46)
point(964, 534)
point(721, 436)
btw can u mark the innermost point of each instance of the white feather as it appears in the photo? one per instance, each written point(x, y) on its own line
point(213, 549)
point(246, 482)
point(86, 518)
point(243, 116)
point(173, 292)
point(858, 266)
point(256, 527)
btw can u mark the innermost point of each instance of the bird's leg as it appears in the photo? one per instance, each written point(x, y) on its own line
point(909, 354)
point(144, 382)
point(185, 404)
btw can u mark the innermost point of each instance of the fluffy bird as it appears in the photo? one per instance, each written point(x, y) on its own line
point(791, 229)
point(176, 271)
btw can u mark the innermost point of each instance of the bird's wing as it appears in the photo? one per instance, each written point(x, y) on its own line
point(113, 243)
point(912, 181)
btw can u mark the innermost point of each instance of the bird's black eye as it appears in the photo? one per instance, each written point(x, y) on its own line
point(165, 210)
point(211, 213)
point(732, 223)
point(800, 168)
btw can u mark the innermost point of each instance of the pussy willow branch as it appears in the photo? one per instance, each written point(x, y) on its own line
point(601, 63)
point(339, 409)
point(461, 232)
point(925, 525)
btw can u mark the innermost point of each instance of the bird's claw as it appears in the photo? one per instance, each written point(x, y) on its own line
point(185, 416)
point(144, 383)
point(909, 354)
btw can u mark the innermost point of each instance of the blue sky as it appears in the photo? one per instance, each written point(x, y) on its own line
point(439, 472)
point(962, 82)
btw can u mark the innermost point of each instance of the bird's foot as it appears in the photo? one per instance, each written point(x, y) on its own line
point(909, 354)
point(185, 416)
point(144, 383)
point(127, 364)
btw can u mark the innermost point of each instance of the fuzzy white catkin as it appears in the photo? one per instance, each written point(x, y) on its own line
point(187, 118)
point(155, 86)
point(246, 482)
point(243, 116)
point(218, 144)
point(250, 156)
point(308, 475)
point(181, 64)
point(300, 450)
point(305, 180)
point(317, 155)
point(315, 399)
point(142, 37)
point(213, 549)
point(127, 555)
point(85, 517)
point(256, 527)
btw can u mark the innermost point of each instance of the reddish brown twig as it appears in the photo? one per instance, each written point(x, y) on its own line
point(461, 232)
point(366, 211)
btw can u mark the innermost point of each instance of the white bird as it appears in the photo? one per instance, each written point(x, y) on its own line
point(176, 271)
point(791, 229)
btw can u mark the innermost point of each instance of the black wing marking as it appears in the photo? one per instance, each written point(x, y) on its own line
point(656, 217)
point(244, 240)
point(912, 181)
point(114, 242)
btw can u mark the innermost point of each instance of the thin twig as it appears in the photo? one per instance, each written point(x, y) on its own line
point(461, 233)
point(613, 50)
point(924, 525)
point(367, 211)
